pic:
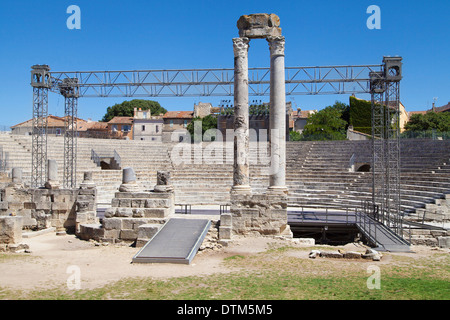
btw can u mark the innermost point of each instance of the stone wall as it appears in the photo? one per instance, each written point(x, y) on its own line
point(136, 216)
point(431, 238)
point(63, 209)
point(255, 215)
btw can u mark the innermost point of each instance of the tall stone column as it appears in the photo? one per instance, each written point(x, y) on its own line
point(52, 175)
point(277, 181)
point(241, 177)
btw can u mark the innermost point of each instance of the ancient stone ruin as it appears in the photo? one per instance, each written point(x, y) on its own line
point(258, 214)
point(49, 208)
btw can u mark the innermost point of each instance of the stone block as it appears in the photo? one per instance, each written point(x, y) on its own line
point(111, 234)
point(18, 247)
point(125, 203)
point(115, 202)
point(11, 229)
point(155, 212)
point(138, 213)
point(443, 242)
point(123, 195)
point(88, 192)
point(82, 217)
point(43, 205)
point(28, 220)
point(438, 233)
point(305, 241)
point(133, 223)
point(124, 212)
point(112, 223)
point(278, 214)
point(59, 206)
point(137, 203)
point(157, 203)
point(225, 233)
point(147, 231)
point(225, 220)
point(352, 255)
point(91, 231)
point(141, 242)
point(128, 234)
point(110, 212)
point(314, 254)
point(331, 254)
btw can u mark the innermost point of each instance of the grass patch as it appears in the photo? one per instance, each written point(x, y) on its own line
point(235, 257)
point(276, 275)
point(266, 286)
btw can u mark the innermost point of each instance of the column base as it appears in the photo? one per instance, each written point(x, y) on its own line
point(241, 190)
point(277, 190)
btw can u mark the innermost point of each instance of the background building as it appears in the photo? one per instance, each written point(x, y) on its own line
point(121, 127)
point(175, 125)
point(55, 126)
point(146, 126)
point(299, 119)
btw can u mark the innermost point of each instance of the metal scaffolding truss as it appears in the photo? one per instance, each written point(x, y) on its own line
point(216, 82)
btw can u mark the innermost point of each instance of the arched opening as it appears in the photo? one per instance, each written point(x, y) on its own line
point(364, 168)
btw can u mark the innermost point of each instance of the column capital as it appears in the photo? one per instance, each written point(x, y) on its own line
point(276, 45)
point(240, 46)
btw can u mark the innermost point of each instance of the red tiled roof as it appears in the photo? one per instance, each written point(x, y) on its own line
point(416, 112)
point(303, 113)
point(121, 120)
point(179, 114)
point(443, 108)
point(52, 121)
point(92, 126)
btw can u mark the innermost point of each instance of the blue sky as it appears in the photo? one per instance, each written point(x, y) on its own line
point(126, 35)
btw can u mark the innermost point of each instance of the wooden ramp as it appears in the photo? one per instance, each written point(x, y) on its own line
point(176, 242)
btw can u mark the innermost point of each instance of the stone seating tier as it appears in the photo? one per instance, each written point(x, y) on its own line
point(317, 173)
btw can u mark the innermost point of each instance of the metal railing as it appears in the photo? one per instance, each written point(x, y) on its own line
point(429, 134)
point(370, 215)
point(327, 216)
point(368, 226)
point(351, 163)
point(95, 157)
point(117, 158)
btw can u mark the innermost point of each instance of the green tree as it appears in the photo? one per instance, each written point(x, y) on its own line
point(429, 121)
point(295, 136)
point(126, 109)
point(208, 122)
point(327, 124)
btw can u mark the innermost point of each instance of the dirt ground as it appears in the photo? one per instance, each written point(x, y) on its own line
point(46, 266)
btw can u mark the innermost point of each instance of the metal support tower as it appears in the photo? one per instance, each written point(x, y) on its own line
point(69, 89)
point(40, 81)
point(377, 89)
point(393, 74)
point(385, 92)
